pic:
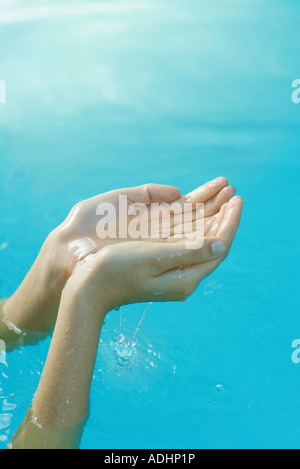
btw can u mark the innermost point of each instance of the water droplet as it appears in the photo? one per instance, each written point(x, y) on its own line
point(124, 347)
point(220, 387)
point(5, 420)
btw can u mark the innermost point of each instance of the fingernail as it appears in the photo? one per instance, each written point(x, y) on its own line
point(218, 247)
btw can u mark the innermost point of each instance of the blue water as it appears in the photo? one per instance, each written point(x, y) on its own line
point(102, 95)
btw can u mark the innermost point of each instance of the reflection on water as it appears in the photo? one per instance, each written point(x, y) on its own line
point(24, 13)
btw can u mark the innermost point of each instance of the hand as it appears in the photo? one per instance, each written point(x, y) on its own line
point(140, 271)
point(127, 272)
point(76, 237)
point(34, 305)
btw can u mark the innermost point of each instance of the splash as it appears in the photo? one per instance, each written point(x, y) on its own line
point(141, 321)
point(2, 352)
point(125, 348)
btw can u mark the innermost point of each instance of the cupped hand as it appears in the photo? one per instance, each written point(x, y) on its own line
point(142, 271)
point(78, 235)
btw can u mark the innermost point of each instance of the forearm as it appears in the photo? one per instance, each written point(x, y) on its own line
point(34, 305)
point(60, 405)
point(9, 333)
point(63, 393)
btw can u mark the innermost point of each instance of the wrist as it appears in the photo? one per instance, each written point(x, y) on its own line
point(54, 259)
point(34, 305)
point(79, 295)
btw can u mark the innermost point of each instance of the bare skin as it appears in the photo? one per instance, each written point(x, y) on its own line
point(112, 275)
point(34, 306)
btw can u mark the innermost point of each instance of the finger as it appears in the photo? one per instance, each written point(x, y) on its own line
point(179, 284)
point(200, 225)
point(213, 205)
point(174, 255)
point(209, 222)
point(176, 216)
point(172, 232)
point(151, 193)
point(195, 216)
point(213, 231)
point(168, 219)
point(205, 192)
point(231, 220)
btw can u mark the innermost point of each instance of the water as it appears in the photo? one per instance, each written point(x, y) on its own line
point(116, 94)
point(125, 346)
